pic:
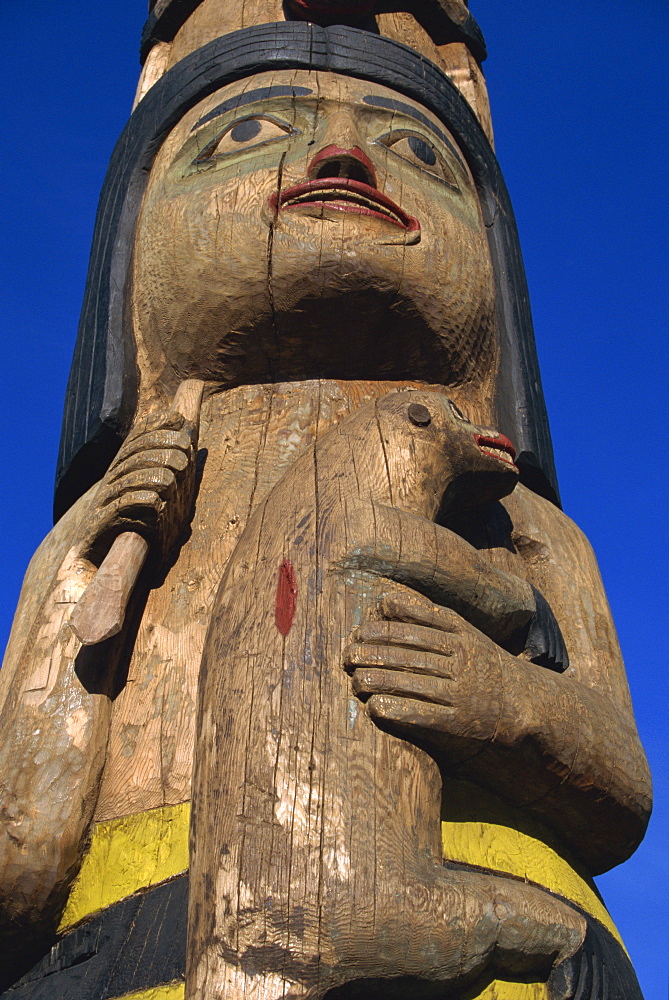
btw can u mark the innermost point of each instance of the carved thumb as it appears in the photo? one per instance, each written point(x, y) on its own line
point(188, 401)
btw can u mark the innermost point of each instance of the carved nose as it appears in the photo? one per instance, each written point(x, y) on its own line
point(350, 164)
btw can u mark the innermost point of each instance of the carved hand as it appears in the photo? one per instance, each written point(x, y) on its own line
point(430, 677)
point(438, 679)
point(150, 485)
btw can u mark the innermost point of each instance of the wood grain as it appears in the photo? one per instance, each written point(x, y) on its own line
point(252, 435)
point(318, 817)
point(100, 611)
point(367, 589)
point(210, 19)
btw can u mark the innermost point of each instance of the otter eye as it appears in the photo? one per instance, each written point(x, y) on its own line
point(420, 152)
point(457, 411)
point(246, 133)
point(419, 415)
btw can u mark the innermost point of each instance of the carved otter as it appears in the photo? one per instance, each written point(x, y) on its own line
point(316, 854)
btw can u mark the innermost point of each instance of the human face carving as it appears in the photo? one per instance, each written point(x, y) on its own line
point(303, 225)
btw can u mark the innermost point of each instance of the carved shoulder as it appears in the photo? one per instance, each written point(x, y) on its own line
point(559, 561)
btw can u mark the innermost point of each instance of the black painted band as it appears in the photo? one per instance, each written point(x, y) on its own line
point(140, 943)
point(101, 392)
point(133, 945)
point(163, 24)
point(250, 97)
point(599, 970)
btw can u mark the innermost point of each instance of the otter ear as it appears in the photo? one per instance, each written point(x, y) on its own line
point(457, 413)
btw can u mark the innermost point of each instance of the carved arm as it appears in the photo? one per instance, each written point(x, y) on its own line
point(562, 746)
point(56, 696)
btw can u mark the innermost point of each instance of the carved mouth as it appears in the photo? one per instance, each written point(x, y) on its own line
point(345, 195)
point(497, 447)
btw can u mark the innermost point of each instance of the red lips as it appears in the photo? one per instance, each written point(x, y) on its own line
point(345, 195)
point(498, 447)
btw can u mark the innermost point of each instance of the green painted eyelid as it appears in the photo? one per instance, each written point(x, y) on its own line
point(202, 157)
point(404, 133)
point(193, 148)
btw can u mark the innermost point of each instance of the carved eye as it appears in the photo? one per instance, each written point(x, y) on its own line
point(420, 152)
point(419, 415)
point(246, 133)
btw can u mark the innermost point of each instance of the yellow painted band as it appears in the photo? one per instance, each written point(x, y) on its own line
point(126, 855)
point(480, 829)
point(173, 991)
point(510, 991)
point(141, 850)
point(496, 991)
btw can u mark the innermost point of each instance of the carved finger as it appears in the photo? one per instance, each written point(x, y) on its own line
point(156, 480)
point(450, 729)
point(368, 681)
point(396, 658)
point(407, 606)
point(138, 510)
point(176, 427)
point(406, 634)
point(160, 438)
point(410, 713)
point(169, 419)
point(136, 507)
point(173, 459)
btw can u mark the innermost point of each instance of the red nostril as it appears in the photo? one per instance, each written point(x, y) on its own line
point(333, 161)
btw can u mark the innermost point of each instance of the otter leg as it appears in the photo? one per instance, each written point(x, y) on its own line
point(450, 928)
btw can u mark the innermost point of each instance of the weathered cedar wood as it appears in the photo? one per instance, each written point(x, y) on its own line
point(341, 577)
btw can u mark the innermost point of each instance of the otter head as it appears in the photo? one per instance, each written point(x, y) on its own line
point(438, 461)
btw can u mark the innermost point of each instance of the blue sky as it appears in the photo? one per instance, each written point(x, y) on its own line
point(579, 97)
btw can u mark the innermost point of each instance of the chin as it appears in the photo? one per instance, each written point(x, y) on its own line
point(360, 333)
point(327, 302)
point(370, 314)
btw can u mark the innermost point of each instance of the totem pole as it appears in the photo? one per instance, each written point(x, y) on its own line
point(313, 690)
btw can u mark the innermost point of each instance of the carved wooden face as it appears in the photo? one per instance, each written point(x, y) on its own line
point(304, 225)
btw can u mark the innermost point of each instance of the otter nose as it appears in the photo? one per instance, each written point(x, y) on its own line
point(350, 164)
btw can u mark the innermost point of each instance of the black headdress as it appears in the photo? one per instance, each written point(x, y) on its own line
point(102, 389)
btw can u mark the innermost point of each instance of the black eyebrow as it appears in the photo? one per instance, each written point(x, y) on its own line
point(250, 97)
point(407, 109)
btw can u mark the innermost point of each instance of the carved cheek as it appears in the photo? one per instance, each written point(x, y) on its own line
point(200, 266)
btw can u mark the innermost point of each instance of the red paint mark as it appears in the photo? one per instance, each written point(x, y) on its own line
point(286, 597)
